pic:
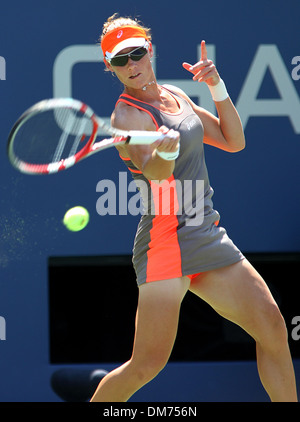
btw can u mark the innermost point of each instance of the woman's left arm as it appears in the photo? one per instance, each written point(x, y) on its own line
point(226, 131)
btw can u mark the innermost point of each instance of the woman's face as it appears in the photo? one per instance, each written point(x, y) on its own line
point(135, 74)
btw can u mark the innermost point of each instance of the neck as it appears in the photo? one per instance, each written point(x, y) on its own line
point(150, 90)
point(155, 94)
point(148, 84)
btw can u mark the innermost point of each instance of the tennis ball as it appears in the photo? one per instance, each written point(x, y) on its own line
point(76, 218)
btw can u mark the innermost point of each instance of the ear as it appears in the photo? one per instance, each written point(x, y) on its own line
point(108, 66)
point(150, 50)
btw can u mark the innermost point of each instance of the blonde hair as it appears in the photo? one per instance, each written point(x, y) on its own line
point(115, 21)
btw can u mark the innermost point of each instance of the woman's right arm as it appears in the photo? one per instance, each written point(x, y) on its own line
point(145, 157)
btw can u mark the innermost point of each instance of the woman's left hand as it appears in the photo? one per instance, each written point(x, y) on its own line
point(204, 70)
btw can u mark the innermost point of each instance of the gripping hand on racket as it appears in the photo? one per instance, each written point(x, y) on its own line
point(170, 143)
point(157, 161)
point(204, 70)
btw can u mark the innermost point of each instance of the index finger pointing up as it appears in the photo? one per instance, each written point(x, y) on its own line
point(203, 51)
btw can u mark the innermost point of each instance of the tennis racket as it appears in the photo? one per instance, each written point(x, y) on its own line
point(55, 134)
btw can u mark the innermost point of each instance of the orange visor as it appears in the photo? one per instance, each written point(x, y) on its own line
point(122, 37)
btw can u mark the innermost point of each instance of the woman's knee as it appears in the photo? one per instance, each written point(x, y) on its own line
point(270, 330)
point(146, 370)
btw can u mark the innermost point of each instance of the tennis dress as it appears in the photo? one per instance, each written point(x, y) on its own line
point(178, 233)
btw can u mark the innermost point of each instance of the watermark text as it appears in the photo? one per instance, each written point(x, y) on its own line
point(169, 197)
point(296, 330)
point(2, 69)
point(296, 69)
point(2, 328)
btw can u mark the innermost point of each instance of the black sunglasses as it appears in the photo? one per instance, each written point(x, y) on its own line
point(122, 59)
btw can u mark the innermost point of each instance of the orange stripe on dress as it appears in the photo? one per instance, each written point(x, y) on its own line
point(164, 257)
point(132, 170)
point(125, 158)
point(124, 96)
point(135, 171)
point(140, 108)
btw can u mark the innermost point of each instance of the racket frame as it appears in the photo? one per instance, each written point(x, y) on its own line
point(117, 136)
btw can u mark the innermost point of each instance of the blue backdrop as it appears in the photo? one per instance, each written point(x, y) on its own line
point(49, 48)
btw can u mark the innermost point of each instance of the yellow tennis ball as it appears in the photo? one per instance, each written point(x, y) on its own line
point(76, 218)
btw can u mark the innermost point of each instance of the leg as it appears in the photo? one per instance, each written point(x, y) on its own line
point(238, 293)
point(156, 329)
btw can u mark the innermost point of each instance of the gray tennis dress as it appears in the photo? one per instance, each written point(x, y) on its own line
point(178, 234)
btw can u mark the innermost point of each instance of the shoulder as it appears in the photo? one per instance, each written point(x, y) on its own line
point(200, 111)
point(128, 117)
point(177, 91)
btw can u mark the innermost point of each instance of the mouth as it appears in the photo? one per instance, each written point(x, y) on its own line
point(135, 76)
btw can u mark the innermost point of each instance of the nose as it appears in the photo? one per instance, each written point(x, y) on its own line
point(131, 62)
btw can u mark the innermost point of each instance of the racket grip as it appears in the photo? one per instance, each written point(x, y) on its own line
point(142, 137)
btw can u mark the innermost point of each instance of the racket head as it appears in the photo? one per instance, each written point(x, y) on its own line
point(52, 135)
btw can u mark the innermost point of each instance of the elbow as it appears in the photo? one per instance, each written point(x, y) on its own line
point(157, 169)
point(158, 177)
point(159, 174)
point(237, 149)
point(239, 146)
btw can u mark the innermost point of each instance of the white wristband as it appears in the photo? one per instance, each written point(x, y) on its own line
point(169, 156)
point(219, 91)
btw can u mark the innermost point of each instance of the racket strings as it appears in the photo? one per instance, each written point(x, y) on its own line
point(68, 123)
point(81, 135)
point(74, 126)
point(51, 136)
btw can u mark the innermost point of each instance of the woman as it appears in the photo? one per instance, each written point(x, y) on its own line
point(176, 251)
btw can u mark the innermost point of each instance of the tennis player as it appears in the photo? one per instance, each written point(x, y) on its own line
point(175, 251)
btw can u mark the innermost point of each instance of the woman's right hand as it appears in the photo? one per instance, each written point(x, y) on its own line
point(170, 143)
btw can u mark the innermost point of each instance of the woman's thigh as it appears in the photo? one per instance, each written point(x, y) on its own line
point(239, 293)
point(157, 319)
